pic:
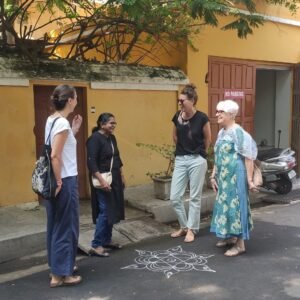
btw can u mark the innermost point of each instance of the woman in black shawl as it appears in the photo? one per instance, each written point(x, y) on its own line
point(107, 202)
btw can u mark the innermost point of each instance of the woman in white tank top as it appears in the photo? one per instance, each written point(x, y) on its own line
point(63, 211)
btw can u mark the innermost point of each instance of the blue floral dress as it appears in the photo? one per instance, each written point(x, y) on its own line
point(232, 215)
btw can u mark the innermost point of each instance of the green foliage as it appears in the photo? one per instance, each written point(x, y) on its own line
point(291, 5)
point(166, 151)
point(122, 29)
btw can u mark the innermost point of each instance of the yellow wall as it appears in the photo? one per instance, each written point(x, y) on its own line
point(17, 151)
point(173, 55)
point(142, 116)
point(273, 43)
point(275, 10)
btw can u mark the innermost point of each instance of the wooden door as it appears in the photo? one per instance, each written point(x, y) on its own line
point(43, 109)
point(296, 116)
point(229, 74)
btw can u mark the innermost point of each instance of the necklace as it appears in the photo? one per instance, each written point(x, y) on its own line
point(187, 115)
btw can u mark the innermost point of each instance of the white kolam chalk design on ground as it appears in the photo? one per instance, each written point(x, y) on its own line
point(170, 262)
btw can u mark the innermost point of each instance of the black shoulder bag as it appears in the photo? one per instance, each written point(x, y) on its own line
point(43, 179)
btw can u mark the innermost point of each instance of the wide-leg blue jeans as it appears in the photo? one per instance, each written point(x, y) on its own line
point(63, 228)
point(103, 230)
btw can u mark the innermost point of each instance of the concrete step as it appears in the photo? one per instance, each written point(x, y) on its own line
point(23, 229)
point(142, 197)
point(127, 232)
point(137, 226)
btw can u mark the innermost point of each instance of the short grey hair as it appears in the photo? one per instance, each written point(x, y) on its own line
point(228, 106)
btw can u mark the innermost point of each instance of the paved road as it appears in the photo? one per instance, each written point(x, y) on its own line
point(269, 270)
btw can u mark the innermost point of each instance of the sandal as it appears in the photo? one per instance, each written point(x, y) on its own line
point(113, 246)
point(178, 233)
point(190, 237)
point(234, 251)
point(226, 243)
point(99, 251)
point(63, 281)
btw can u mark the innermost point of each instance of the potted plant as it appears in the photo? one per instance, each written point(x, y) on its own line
point(162, 179)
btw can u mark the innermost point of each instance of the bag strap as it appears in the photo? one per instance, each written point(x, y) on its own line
point(48, 138)
point(112, 158)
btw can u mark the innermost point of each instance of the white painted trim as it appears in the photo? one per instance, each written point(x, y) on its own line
point(283, 21)
point(273, 18)
point(275, 68)
point(14, 82)
point(135, 86)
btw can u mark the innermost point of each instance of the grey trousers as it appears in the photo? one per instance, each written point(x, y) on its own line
point(188, 168)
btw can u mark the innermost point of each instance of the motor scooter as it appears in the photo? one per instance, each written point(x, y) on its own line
point(277, 165)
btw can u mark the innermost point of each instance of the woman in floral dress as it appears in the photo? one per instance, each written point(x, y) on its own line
point(232, 178)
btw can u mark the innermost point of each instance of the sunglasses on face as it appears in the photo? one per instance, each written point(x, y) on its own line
point(180, 101)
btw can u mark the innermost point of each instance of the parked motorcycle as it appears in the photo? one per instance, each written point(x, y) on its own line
point(277, 165)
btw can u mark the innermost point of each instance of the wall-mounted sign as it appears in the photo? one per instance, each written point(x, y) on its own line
point(234, 94)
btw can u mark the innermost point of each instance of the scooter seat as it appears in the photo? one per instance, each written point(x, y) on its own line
point(268, 153)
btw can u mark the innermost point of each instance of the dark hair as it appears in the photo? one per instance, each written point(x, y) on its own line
point(61, 95)
point(102, 119)
point(190, 91)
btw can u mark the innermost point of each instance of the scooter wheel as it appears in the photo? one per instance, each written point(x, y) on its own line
point(283, 186)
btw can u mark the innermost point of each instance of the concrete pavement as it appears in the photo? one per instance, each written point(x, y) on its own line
point(165, 268)
point(23, 227)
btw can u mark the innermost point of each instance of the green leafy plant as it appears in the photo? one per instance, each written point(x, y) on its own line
point(166, 151)
point(120, 31)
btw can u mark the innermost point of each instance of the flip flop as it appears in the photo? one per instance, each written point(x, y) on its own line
point(234, 251)
point(62, 282)
point(178, 233)
point(225, 243)
point(71, 283)
point(57, 284)
point(94, 252)
point(113, 246)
